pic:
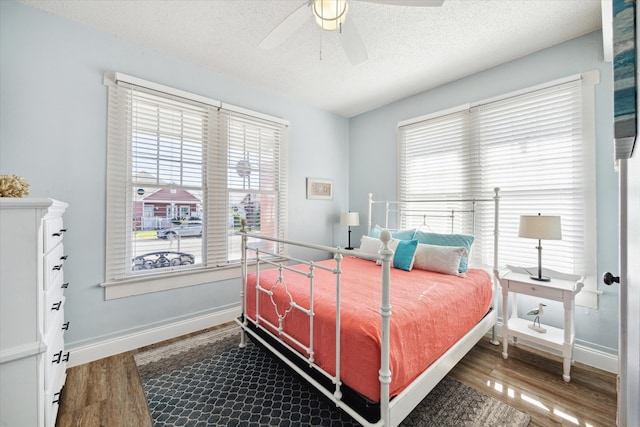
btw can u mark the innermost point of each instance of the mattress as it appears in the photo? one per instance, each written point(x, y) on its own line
point(430, 312)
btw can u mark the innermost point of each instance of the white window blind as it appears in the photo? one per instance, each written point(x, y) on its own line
point(183, 171)
point(535, 147)
point(257, 175)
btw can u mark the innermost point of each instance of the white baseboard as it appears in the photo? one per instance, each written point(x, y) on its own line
point(597, 359)
point(110, 347)
point(89, 353)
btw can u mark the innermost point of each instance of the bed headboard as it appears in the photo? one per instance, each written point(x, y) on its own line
point(446, 215)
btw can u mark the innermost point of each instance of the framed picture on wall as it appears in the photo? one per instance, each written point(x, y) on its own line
point(624, 77)
point(319, 188)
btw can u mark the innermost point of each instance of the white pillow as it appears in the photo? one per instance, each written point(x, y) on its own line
point(441, 259)
point(370, 245)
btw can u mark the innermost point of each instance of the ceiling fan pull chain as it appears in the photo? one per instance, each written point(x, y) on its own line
point(338, 14)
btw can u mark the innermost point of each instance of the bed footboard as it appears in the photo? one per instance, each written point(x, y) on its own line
point(293, 351)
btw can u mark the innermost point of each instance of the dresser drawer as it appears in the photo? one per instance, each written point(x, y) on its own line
point(54, 306)
point(52, 398)
point(56, 357)
point(53, 232)
point(53, 262)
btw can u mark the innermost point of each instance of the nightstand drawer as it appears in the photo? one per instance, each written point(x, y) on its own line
point(534, 289)
point(521, 284)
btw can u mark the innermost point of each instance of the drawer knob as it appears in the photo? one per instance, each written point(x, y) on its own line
point(63, 257)
point(56, 396)
point(57, 267)
point(58, 357)
point(65, 326)
point(65, 285)
point(56, 306)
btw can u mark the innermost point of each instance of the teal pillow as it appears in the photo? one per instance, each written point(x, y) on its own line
point(405, 254)
point(439, 239)
point(396, 234)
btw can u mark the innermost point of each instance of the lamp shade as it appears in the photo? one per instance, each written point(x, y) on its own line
point(350, 219)
point(543, 227)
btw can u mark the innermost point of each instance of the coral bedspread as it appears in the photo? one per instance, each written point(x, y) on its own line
point(430, 312)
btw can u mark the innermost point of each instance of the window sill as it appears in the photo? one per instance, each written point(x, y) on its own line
point(164, 282)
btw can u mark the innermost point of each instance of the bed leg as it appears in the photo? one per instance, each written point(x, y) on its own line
point(494, 339)
point(243, 334)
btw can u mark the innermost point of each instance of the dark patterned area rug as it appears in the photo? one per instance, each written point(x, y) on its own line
point(207, 380)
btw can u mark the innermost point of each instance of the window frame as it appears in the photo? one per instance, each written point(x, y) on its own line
point(118, 282)
point(468, 114)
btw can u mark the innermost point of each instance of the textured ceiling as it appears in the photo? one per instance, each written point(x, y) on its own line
point(410, 49)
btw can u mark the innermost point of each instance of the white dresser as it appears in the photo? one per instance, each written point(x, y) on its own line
point(32, 356)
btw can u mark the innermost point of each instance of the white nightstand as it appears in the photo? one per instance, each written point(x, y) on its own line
point(561, 290)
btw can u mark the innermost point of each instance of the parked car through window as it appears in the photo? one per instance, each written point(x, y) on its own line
point(186, 229)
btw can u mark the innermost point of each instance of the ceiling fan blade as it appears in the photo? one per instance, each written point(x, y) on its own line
point(415, 3)
point(352, 43)
point(287, 27)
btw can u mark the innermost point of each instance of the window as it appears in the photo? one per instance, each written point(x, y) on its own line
point(183, 171)
point(538, 147)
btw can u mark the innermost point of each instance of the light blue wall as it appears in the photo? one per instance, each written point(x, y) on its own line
point(53, 133)
point(372, 151)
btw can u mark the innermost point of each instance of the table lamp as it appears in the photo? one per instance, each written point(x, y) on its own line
point(350, 219)
point(540, 227)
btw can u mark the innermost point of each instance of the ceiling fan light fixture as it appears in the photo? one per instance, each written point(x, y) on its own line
point(330, 14)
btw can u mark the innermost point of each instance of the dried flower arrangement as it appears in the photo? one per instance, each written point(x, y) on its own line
point(13, 186)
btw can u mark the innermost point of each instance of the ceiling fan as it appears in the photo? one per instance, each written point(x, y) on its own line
point(330, 15)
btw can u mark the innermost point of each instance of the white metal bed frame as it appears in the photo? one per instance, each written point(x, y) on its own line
point(392, 411)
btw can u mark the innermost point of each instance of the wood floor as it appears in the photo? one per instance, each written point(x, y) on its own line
point(108, 392)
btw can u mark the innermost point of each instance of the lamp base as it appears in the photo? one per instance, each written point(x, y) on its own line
point(349, 249)
point(540, 278)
